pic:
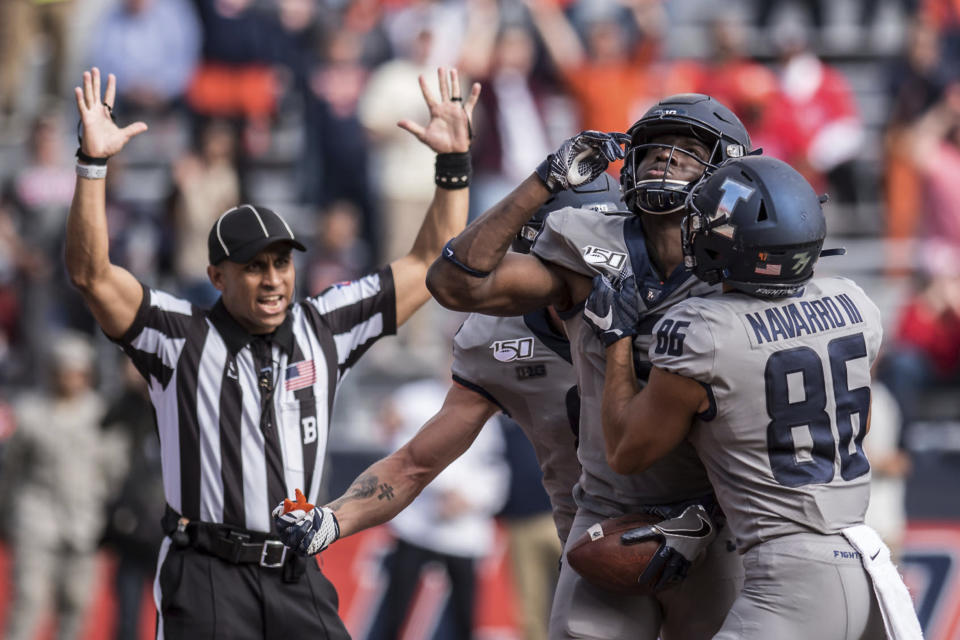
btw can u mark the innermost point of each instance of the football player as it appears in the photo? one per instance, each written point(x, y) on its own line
point(518, 365)
point(770, 382)
point(667, 151)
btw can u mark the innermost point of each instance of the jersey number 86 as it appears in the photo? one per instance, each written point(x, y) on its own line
point(786, 417)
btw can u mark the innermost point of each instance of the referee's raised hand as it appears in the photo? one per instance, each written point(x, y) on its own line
point(100, 136)
point(449, 129)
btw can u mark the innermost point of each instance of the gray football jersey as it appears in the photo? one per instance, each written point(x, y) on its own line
point(523, 366)
point(587, 243)
point(789, 382)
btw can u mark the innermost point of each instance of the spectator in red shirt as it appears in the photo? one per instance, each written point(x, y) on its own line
point(926, 348)
point(930, 322)
point(812, 120)
point(727, 73)
point(731, 77)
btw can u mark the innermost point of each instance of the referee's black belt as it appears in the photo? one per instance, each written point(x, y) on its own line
point(232, 544)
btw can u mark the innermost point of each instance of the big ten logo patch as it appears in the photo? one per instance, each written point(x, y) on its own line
point(527, 371)
point(604, 257)
point(510, 350)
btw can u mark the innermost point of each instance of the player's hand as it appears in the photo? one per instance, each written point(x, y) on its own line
point(682, 540)
point(100, 136)
point(306, 529)
point(449, 129)
point(611, 308)
point(581, 159)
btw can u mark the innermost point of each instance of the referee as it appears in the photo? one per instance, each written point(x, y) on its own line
point(243, 392)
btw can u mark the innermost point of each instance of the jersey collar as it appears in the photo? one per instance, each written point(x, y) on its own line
point(236, 337)
point(652, 289)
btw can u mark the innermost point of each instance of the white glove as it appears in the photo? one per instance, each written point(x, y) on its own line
point(306, 529)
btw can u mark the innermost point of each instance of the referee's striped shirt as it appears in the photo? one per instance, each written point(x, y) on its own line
point(219, 463)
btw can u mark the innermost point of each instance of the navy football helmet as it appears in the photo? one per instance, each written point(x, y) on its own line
point(755, 224)
point(602, 194)
point(688, 114)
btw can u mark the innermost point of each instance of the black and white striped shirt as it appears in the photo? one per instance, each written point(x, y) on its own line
point(225, 459)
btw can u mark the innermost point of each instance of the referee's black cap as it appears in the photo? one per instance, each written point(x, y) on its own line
point(244, 231)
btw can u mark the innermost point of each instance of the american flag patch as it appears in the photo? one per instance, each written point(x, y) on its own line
point(299, 375)
point(767, 269)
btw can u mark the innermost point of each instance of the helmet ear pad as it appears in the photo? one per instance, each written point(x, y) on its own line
point(690, 114)
point(601, 195)
point(755, 224)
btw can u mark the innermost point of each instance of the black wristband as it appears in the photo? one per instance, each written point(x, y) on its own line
point(453, 170)
point(448, 255)
point(85, 159)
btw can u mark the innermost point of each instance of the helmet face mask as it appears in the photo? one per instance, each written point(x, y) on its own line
point(660, 195)
point(601, 195)
point(691, 115)
point(754, 224)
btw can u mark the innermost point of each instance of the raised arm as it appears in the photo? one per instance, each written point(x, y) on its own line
point(389, 485)
point(650, 19)
point(479, 38)
point(475, 272)
point(111, 292)
point(562, 43)
point(448, 134)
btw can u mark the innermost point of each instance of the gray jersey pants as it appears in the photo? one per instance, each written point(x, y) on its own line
point(804, 586)
point(693, 610)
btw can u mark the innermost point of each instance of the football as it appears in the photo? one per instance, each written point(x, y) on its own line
point(606, 563)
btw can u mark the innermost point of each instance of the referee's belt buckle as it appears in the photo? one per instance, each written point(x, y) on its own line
point(269, 551)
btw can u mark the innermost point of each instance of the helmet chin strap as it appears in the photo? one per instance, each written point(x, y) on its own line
point(658, 187)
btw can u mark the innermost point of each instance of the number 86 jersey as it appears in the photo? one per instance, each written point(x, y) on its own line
point(789, 388)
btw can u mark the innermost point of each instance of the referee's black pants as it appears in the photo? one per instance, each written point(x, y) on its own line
point(200, 597)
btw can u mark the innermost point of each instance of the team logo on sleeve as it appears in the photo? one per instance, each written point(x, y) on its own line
point(510, 350)
point(605, 257)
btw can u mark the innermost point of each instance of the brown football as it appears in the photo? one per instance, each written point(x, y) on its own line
point(605, 562)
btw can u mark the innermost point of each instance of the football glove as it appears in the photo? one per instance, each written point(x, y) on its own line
point(612, 309)
point(581, 159)
point(682, 540)
point(306, 529)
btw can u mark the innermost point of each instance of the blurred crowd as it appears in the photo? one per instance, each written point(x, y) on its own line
point(294, 104)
